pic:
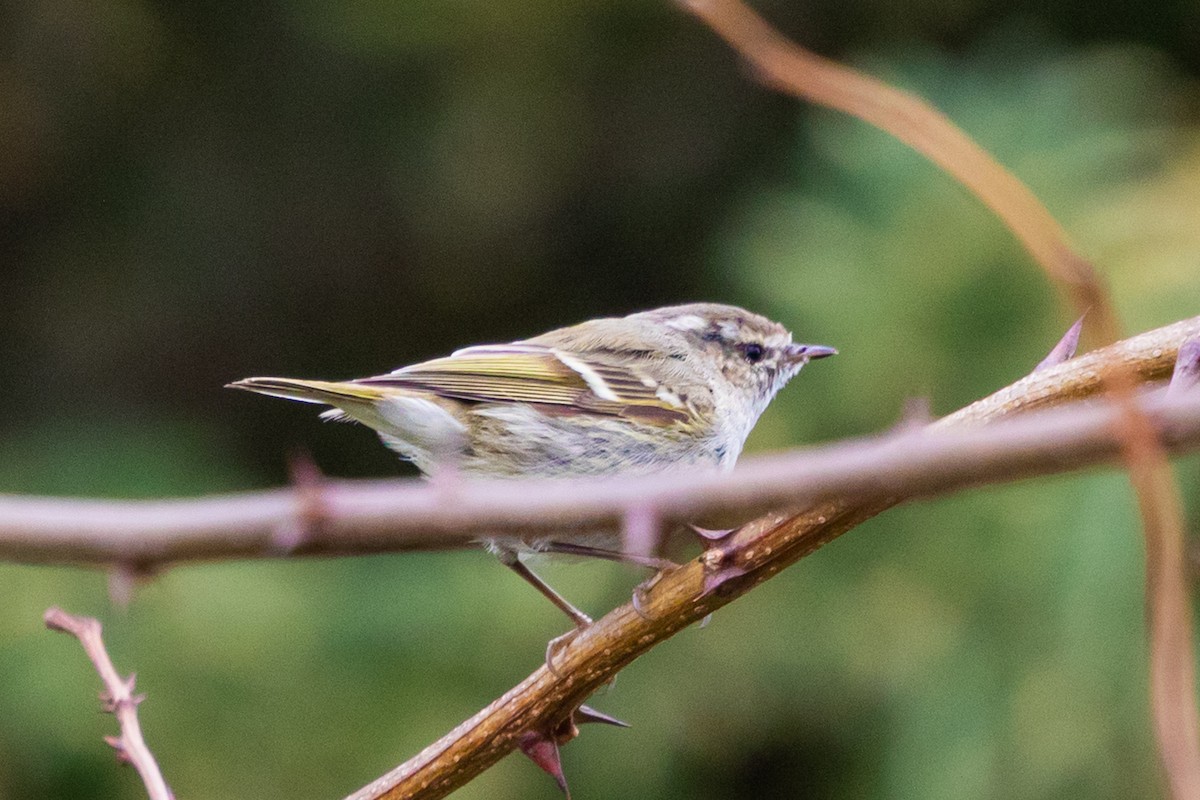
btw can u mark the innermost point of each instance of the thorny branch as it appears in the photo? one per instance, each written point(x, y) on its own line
point(751, 555)
point(117, 698)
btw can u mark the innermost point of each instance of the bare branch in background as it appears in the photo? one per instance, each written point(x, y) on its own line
point(1172, 669)
point(118, 699)
point(362, 517)
point(789, 68)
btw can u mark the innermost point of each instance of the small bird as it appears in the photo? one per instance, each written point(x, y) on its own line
point(673, 387)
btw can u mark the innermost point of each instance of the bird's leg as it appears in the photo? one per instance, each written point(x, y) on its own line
point(510, 559)
point(571, 549)
point(639, 592)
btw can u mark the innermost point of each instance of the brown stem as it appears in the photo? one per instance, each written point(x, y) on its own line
point(118, 698)
point(789, 68)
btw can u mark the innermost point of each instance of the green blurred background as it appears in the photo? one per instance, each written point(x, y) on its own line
point(191, 193)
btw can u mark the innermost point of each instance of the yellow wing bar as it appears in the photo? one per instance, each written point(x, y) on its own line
point(525, 373)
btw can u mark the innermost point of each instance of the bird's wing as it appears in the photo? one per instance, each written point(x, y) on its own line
point(560, 381)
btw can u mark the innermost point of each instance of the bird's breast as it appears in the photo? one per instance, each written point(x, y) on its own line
point(517, 440)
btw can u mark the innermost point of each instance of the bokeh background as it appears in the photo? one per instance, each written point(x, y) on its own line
point(191, 193)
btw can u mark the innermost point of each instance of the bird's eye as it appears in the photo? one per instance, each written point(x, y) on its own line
point(753, 352)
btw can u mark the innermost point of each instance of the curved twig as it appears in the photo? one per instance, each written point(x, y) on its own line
point(118, 699)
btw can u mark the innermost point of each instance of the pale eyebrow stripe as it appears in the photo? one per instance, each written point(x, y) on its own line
point(690, 322)
point(589, 375)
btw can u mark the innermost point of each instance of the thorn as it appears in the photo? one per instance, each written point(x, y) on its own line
point(640, 531)
point(718, 570)
point(1065, 349)
point(123, 580)
point(308, 481)
point(1187, 368)
point(446, 480)
point(585, 714)
point(715, 580)
point(916, 413)
point(709, 537)
point(303, 470)
point(542, 750)
point(118, 745)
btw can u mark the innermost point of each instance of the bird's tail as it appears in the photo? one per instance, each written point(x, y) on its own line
point(414, 426)
point(331, 393)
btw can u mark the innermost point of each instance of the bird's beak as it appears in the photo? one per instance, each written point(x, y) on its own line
point(803, 353)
